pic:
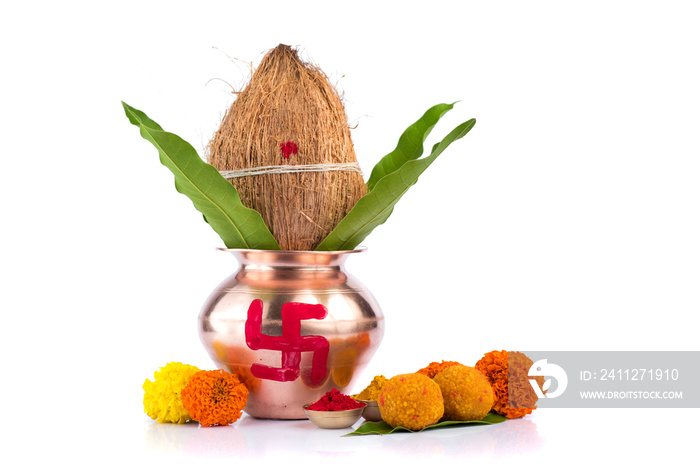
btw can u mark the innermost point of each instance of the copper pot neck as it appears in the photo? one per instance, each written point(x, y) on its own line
point(291, 269)
point(301, 259)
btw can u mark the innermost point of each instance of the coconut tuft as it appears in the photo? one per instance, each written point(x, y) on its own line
point(290, 106)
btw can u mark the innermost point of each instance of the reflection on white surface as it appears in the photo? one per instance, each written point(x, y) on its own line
point(191, 439)
point(516, 436)
point(261, 438)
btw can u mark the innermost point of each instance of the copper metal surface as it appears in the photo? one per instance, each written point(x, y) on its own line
point(353, 327)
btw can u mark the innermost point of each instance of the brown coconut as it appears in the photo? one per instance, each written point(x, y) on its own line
point(289, 100)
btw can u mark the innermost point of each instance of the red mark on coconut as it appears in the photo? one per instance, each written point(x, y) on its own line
point(291, 344)
point(288, 148)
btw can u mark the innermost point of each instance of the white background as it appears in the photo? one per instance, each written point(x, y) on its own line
point(566, 220)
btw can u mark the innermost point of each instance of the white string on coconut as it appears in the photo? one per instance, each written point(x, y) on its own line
point(274, 169)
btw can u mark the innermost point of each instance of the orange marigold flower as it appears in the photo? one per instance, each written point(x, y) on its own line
point(507, 372)
point(434, 368)
point(214, 398)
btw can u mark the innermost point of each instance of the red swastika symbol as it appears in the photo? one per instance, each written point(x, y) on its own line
point(290, 343)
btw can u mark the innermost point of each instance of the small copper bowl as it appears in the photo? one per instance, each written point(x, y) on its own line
point(333, 419)
point(371, 412)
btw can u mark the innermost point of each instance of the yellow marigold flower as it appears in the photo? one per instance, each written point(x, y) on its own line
point(161, 400)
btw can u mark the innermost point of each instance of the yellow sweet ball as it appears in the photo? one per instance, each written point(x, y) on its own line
point(412, 401)
point(467, 393)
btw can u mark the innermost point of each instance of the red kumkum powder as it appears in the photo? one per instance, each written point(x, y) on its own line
point(335, 401)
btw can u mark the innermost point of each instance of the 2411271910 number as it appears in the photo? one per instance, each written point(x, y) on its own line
point(639, 374)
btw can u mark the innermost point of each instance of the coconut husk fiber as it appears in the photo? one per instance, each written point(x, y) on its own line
point(288, 100)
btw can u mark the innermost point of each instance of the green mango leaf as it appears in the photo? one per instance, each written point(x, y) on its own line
point(410, 145)
point(216, 198)
point(382, 428)
point(375, 207)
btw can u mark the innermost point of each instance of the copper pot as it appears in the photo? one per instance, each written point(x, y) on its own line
point(292, 325)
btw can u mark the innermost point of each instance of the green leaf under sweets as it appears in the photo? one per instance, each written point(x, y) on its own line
point(410, 145)
point(382, 428)
point(375, 207)
point(216, 198)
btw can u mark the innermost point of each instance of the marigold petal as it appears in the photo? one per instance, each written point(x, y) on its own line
point(214, 397)
point(434, 368)
point(162, 396)
point(508, 373)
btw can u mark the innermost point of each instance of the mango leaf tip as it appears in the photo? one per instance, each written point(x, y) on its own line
point(213, 195)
